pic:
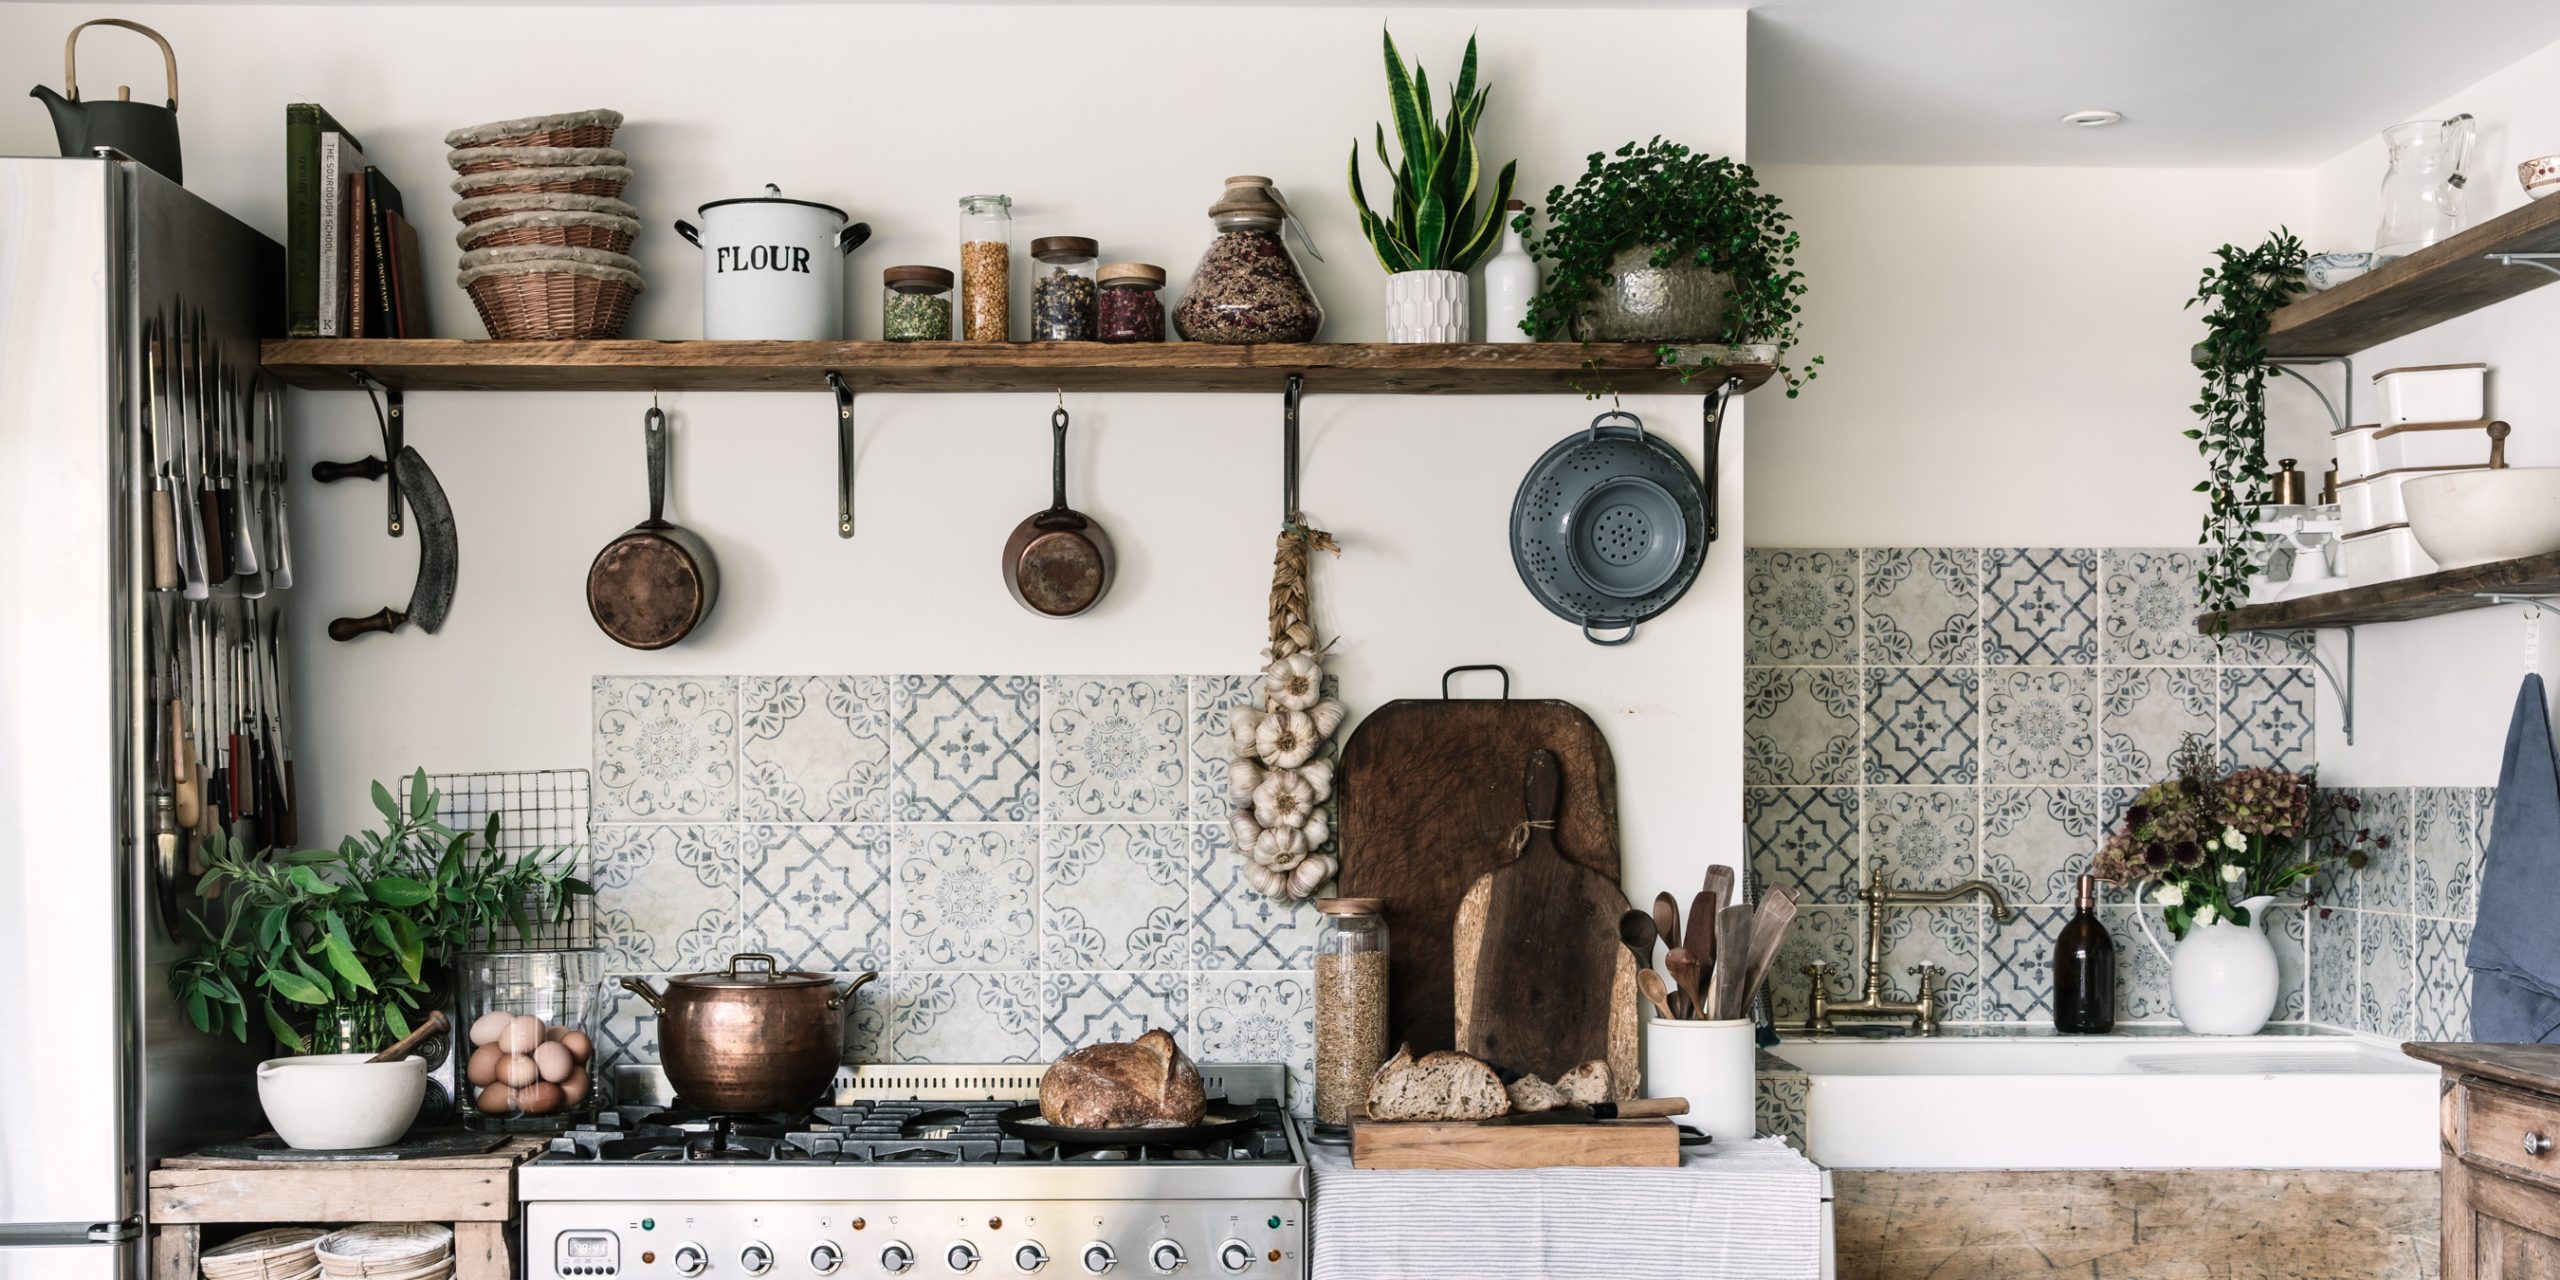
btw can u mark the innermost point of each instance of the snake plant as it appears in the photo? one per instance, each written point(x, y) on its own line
point(1433, 224)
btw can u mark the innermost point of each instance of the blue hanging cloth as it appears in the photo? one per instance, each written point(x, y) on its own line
point(2515, 946)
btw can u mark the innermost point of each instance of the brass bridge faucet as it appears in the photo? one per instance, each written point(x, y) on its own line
point(1933, 978)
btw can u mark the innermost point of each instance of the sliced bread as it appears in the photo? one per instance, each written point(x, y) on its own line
point(1437, 1086)
point(1586, 1085)
point(1529, 1093)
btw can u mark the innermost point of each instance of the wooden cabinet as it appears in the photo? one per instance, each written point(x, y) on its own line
point(2501, 1130)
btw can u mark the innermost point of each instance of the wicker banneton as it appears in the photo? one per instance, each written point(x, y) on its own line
point(492, 159)
point(604, 231)
point(550, 298)
point(566, 129)
point(483, 208)
point(277, 1253)
point(583, 180)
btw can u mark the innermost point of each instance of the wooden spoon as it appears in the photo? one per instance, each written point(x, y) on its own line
point(1666, 918)
point(1635, 929)
point(400, 1048)
point(1650, 982)
point(1686, 971)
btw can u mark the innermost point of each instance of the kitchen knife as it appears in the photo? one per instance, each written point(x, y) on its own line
point(439, 558)
point(1631, 1109)
point(155, 430)
point(279, 531)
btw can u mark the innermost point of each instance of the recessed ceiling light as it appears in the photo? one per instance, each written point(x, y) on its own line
point(2093, 119)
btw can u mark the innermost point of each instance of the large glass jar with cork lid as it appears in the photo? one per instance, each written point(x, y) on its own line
point(1351, 1006)
point(986, 273)
point(1247, 288)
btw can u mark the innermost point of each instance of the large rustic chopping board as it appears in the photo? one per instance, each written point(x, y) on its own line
point(1430, 790)
point(1470, 1144)
point(1542, 980)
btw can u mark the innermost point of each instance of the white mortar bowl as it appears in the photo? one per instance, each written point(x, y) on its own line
point(339, 1101)
point(2465, 518)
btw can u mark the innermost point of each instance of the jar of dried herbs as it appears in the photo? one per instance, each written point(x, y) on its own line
point(1129, 310)
point(1062, 289)
point(915, 304)
point(1247, 287)
point(1351, 1006)
point(986, 279)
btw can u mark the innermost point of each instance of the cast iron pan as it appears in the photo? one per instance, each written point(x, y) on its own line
point(1058, 562)
point(652, 586)
point(1221, 1120)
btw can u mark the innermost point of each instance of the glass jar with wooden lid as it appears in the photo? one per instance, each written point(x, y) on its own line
point(1129, 309)
point(1351, 1006)
point(915, 304)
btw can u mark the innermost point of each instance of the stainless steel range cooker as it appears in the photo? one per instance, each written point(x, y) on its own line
point(909, 1174)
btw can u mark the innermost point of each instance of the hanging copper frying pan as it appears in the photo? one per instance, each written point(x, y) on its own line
point(1058, 562)
point(652, 586)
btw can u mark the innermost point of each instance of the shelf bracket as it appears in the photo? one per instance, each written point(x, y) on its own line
point(2542, 260)
point(844, 453)
point(1289, 393)
point(394, 431)
point(2344, 416)
point(1715, 405)
point(2345, 688)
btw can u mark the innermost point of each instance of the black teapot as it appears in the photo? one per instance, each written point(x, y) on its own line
point(140, 130)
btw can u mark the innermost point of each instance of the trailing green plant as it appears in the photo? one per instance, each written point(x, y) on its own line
point(2239, 293)
point(309, 928)
point(1691, 208)
point(1433, 224)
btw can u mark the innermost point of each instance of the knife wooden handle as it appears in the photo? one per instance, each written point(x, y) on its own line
point(164, 540)
point(1643, 1108)
point(217, 548)
point(386, 622)
point(183, 782)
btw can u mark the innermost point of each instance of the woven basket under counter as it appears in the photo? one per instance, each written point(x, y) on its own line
point(537, 292)
point(564, 129)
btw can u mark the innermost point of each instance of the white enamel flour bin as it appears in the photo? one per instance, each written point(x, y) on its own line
point(773, 267)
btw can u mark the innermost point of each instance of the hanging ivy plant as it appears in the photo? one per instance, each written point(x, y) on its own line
point(2240, 293)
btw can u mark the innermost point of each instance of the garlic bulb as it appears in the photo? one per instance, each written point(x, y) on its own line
point(1243, 723)
point(1281, 847)
point(1327, 717)
point(1287, 738)
point(1294, 682)
point(1241, 825)
point(1243, 776)
point(1310, 876)
point(1283, 800)
point(1317, 828)
point(1265, 881)
point(1319, 775)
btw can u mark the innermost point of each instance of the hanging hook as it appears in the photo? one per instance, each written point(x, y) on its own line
point(1062, 399)
point(1289, 450)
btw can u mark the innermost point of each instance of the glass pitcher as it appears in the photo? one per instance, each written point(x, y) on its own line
point(2422, 188)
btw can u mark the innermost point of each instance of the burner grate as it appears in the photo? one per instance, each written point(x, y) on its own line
point(880, 1131)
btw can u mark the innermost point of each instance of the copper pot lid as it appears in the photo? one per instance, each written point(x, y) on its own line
point(738, 977)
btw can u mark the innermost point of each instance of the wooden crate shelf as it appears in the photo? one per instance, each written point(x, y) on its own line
point(2450, 278)
point(2450, 591)
point(438, 364)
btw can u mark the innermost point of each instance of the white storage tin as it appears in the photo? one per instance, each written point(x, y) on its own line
point(2383, 555)
point(2379, 447)
point(2434, 392)
point(2374, 501)
point(773, 267)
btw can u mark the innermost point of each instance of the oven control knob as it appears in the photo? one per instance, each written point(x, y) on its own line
point(962, 1257)
point(690, 1260)
point(1030, 1257)
point(1167, 1257)
point(897, 1259)
point(1235, 1255)
point(826, 1259)
point(1099, 1258)
point(755, 1259)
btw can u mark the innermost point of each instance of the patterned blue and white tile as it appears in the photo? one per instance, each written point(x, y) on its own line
point(1117, 748)
point(1921, 725)
point(1805, 838)
point(2288, 930)
point(1778, 1103)
point(2444, 984)
point(1799, 726)
point(1925, 838)
point(2488, 820)
point(2332, 973)
point(2040, 606)
point(813, 749)
point(2385, 882)
point(816, 898)
point(1115, 896)
point(1258, 1017)
point(2267, 717)
point(2017, 964)
point(1081, 1009)
point(2142, 974)
point(627, 1028)
point(962, 1017)
point(968, 749)
point(2040, 724)
point(1949, 937)
point(2268, 648)
point(666, 896)
point(2387, 975)
point(2146, 713)
point(1827, 933)
point(966, 897)
point(1212, 697)
point(1922, 605)
point(2037, 840)
point(1800, 607)
point(2150, 608)
point(1234, 927)
point(2445, 835)
point(666, 749)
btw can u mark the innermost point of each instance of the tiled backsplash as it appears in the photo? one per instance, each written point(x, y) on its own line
point(1031, 863)
point(2389, 958)
point(1985, 713)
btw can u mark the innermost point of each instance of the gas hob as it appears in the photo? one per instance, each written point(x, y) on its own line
point(909, 1173)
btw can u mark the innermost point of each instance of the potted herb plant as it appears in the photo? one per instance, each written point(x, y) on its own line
point(2239, 294)
point(1433, 230)
point(1658, 243)
point(348, 942)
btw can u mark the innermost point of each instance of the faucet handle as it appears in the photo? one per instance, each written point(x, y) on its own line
point(1820, 973)
point(1932, 976)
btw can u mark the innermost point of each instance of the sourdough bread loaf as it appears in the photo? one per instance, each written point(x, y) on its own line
point(1586, 1085)
point(1437, 1086)
point(1145, 1083)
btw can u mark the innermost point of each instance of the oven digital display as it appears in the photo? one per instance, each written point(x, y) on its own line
point(586, 1246)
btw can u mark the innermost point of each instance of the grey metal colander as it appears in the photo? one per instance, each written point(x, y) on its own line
point(1610, 527)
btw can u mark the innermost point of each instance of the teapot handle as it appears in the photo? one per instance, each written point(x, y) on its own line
point(71, 62)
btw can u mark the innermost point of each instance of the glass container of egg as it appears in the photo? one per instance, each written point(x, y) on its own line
point(530, 1020)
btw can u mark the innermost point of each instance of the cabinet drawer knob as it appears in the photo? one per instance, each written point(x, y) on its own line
point(2535, 1144)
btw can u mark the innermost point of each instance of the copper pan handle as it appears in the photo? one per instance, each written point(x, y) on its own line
point(756, 957)
point(841, 998)
point(640, 987)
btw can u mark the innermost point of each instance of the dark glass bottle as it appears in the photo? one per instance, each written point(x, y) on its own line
point(2084, 970)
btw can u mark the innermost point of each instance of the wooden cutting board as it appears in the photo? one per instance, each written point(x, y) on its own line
point(1541, 980)
point(1473, 1144)
point(1429, 792)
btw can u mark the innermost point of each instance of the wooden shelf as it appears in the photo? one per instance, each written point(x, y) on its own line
point(2451, 591)
point(436, 364)
point(2435, 284)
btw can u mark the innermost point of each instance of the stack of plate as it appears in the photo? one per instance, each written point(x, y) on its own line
point(546, 236)
point(388, 1251)
point(277, 1253)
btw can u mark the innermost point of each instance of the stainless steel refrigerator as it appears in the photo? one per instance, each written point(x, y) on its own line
point(100, 1073)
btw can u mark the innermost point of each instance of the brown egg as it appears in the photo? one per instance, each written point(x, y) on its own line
point(551, 1035)
point(496, 1100)
point(521, 1034)
point(554, 1062)
point(574, 1089)
point(483, 1068)
point(578, 1045)
point(486, 1028)
point(517, 1071)
point(538, 1099)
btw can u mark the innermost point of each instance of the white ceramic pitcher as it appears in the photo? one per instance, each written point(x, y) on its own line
point(2222, 977)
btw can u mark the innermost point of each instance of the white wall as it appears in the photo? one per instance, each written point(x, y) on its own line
point(2005, 353)
point(2433, 697)
point(1111, 122)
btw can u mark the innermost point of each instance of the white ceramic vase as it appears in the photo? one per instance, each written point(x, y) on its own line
point(1715, 1065)
point(2222, 976)
point(1427, 306)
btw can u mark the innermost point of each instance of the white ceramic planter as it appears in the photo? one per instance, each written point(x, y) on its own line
point(1712, 1064)
point(2222, 976)
point(1427, 306)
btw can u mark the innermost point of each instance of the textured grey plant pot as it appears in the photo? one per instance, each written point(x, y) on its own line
point(1641, 302)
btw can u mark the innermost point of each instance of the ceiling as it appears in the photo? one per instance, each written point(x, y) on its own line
point(2205, 83)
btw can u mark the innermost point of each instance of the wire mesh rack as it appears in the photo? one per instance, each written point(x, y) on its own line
point(543, 809)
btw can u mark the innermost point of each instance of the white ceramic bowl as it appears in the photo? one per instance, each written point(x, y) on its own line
point(2540, 176)
point(339, 1101)
point(2465, 518)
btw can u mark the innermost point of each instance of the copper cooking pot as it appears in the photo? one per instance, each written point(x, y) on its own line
point(749, 1038)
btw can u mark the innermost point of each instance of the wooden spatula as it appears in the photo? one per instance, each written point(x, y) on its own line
point(1733, 946)
point(1768, 932)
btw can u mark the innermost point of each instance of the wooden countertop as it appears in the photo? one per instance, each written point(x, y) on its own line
point(2526, 1066)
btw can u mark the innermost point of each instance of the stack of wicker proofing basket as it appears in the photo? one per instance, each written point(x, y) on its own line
point(545, 234)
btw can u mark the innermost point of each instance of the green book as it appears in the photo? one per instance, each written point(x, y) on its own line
point(304, 188)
